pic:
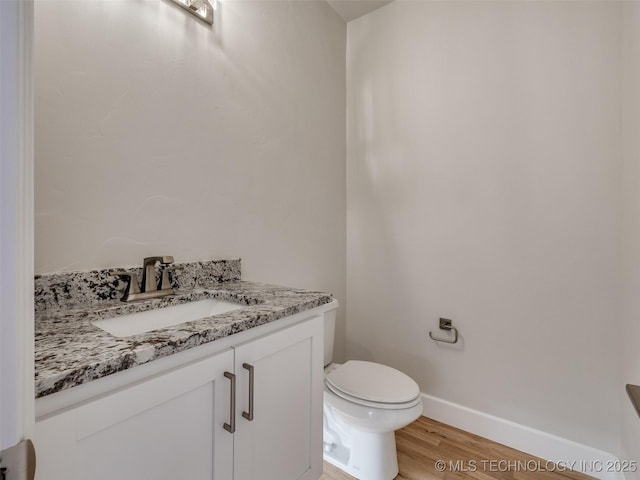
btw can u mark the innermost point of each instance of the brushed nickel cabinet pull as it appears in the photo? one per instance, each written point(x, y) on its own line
point(249, 415)
point(231, 427)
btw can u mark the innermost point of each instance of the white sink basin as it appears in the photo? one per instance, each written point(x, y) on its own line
point(142, 322)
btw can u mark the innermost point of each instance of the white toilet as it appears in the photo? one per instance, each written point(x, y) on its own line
point(364, 403)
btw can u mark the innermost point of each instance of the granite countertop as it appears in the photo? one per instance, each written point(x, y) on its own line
point(70, 351)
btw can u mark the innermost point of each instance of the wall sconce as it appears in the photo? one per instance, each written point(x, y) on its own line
point(203, 9)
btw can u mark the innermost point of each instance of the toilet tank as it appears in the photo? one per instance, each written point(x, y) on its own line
point(329, 335)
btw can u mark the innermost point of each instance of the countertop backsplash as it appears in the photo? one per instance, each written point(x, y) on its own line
point(67, 290)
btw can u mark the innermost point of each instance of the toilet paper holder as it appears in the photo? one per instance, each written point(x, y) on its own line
point(446, 324)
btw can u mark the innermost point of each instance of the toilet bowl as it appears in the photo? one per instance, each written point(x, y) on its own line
point(364, 403)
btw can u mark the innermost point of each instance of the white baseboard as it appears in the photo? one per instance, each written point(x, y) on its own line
point(587, 460)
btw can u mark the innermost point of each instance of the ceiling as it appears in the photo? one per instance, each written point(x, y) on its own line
point(352, 9)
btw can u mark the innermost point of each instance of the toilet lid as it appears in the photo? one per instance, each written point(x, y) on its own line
point(372, 382)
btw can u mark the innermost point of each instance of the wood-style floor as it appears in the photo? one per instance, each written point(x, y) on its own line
point(424, 444)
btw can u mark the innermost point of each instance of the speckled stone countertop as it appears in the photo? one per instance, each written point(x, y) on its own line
point(70, 350)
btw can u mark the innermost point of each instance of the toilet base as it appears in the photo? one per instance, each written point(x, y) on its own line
point(370, 455)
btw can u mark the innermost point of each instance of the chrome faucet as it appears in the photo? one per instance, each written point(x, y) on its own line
point(150, 289)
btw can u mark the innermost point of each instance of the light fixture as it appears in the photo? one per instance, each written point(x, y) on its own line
point(203, 9)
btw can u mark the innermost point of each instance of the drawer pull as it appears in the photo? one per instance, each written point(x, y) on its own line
point(249, 415)
point(231, 427)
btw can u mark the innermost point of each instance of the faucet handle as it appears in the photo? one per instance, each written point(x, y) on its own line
point(149, 271)
point(166, 260)
point(165, 282)
point(132, 283)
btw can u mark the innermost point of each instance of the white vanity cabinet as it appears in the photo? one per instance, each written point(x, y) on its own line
point(171, 425)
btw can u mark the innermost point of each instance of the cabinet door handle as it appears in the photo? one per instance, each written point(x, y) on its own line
point(249, 415)
point(231, 427)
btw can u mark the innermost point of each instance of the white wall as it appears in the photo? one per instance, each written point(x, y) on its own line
point(630, 333)
point(157, 134)
point(483, 169)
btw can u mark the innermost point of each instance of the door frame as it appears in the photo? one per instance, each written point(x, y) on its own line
point(17, 411)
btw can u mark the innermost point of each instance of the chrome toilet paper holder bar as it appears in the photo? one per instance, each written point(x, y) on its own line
point(446, 324)
point(634, 395)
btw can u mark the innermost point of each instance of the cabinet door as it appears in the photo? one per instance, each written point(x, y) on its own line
point(283, 441)
point(167, 427)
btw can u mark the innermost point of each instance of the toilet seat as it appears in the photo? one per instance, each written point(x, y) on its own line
point(373, 385)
